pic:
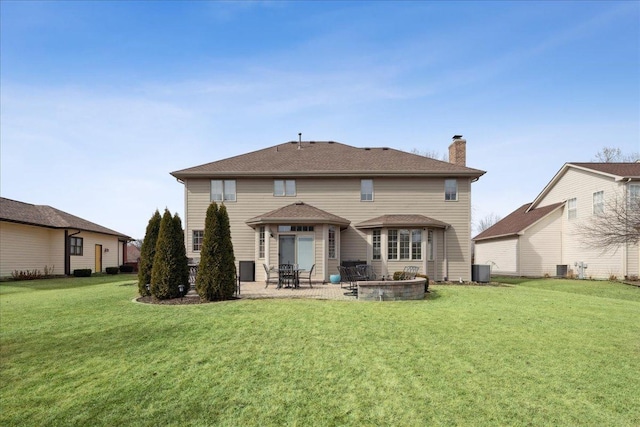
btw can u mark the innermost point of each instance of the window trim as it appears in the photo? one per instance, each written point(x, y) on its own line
point(199, 239)
point(366, 197)
point(447, 193)
point(225, 196)
point(76, 249)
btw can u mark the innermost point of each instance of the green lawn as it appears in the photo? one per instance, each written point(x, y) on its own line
point(546, 352)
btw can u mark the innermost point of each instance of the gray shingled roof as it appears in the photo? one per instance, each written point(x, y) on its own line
point(326, 158)
point(46, 216)
point(298, 213)
point(623, 170)
point(401, 221)
point(516, 221)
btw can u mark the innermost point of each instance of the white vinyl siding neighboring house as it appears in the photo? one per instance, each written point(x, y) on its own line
point(32, 237)
point(571, 199)
point(334, 194)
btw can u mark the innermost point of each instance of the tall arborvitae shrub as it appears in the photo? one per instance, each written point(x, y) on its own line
point(168, 265)
point(182, 262)
point(226, 272)
point(147, 253)
point(209, 253)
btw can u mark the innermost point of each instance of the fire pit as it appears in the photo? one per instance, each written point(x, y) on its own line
point(391, 290)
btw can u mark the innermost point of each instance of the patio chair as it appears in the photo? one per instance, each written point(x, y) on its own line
point(286, 276)
point(409, 272)
point(309, 276)
point(366, 272)
point(267, 270)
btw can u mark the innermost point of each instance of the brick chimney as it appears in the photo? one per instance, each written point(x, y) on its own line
point(458, 151)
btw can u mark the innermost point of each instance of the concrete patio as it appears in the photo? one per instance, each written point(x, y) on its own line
point(328, 291)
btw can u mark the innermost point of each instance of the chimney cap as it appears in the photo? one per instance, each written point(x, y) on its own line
point(457, 137)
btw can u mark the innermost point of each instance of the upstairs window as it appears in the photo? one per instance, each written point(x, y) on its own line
point(366, 190)
point(198, 235)
point(598, 203)
point(223, 190)
point(75, 245)
point(572, 208)
point(451, 189)
point(282, 187)
point(634, 196)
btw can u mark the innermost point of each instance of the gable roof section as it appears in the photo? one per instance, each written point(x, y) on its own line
point(401, 221)
point(615, 171)
point(326, 158)
point(46, 216)
point(517, 221)
point(298, 213)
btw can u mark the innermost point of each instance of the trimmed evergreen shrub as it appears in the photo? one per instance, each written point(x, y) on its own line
point(182, 262)
point(148, 252)
point(226, 272)
point(206, 286)
point(124, 268)
point(170, 262)
point(82, 272)
point(111, 270)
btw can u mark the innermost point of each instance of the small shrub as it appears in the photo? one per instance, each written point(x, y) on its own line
point(547, 275)
point(571, 274)
point(48, 271)
point(613, 278)
point(126, 268)
point(398, 275)
point(26, 274)
point(82, 272)
point(112, 270)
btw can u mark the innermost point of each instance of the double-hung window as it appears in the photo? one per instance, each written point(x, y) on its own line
point(284, 187)
point(197, 237)
point(634, 196)
point(377, 253)
point(598, 203)
point(261, 238)
point(75, 245)
point(223, 190)
point(332, 242)
point(404, 244)
point(430, 245)
point(451, 189)
point(572, 208)
point(366, 190)
point(392, 244)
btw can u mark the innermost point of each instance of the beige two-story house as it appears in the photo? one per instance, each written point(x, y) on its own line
point(322, 203)
point(547, 237)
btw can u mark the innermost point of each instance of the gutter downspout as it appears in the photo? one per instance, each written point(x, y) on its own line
point(446, 255)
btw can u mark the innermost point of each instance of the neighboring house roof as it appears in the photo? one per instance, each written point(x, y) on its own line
point(133, 253)
point(401, 221)
point(298, 213)
point(46, 216)
point(327, 158)
point(517, 221)
point(616, 171)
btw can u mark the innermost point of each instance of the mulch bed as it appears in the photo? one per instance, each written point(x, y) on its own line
point(175, 301)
